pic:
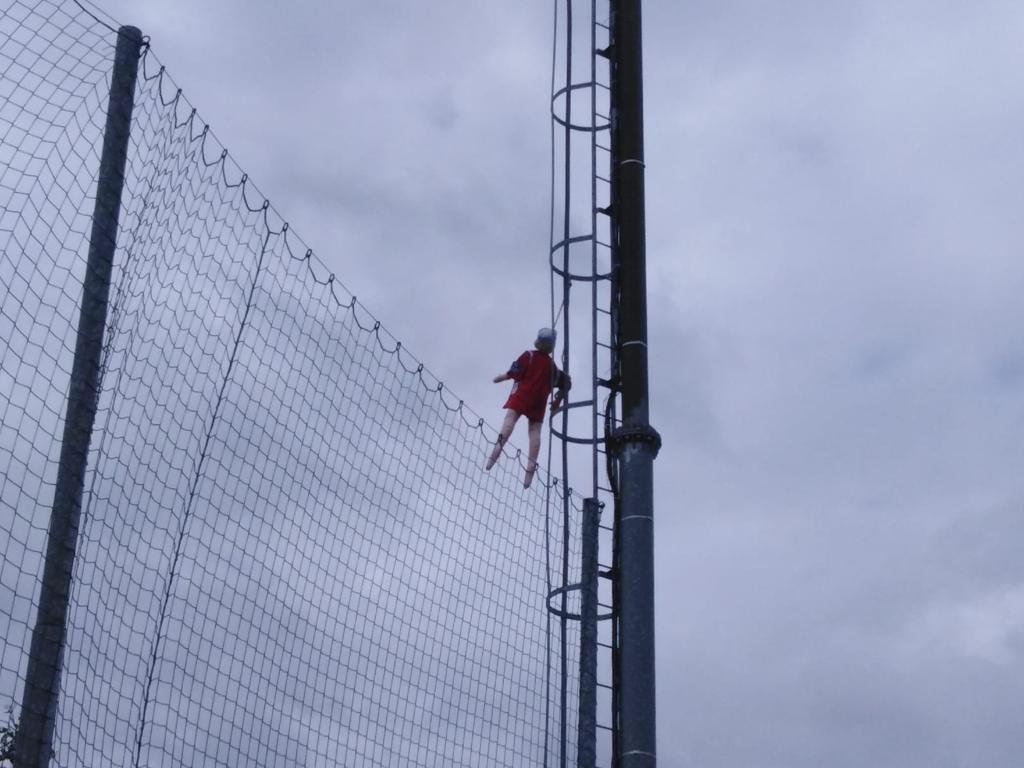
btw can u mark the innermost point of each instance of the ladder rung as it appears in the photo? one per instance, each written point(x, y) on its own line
point(574, 404)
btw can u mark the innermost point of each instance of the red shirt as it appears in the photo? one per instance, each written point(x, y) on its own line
point(534, 374)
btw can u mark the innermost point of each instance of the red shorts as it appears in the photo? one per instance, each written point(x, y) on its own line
point(533, 411)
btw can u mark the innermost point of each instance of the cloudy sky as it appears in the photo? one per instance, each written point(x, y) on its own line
point(837, 333)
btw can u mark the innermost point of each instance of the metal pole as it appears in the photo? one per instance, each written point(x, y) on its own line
point(635, 443)
point(586, 755)
point(34, 737)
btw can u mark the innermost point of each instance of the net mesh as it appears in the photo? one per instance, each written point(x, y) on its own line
point(289, 552)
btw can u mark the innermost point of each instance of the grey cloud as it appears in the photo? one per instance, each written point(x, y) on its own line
point(834, 251)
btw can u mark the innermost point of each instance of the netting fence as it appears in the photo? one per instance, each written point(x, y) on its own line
point(289, 552)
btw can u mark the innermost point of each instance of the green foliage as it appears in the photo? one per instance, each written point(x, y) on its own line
point(7, 741)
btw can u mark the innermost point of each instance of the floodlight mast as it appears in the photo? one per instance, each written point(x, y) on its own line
point(634, 443)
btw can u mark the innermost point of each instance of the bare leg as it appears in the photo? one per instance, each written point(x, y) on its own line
point(506, 431)
point(531, 462)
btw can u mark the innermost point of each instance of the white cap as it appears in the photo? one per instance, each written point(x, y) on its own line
point(547, 335)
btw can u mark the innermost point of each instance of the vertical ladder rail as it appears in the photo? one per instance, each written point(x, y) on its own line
point(581, 256)
point(635, 443)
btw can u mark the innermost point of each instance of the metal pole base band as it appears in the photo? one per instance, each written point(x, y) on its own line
point(644, 435)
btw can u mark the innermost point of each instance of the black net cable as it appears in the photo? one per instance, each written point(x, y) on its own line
point(180, 538)
point(94, 13)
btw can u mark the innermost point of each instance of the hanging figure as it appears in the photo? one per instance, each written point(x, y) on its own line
point(535, 375)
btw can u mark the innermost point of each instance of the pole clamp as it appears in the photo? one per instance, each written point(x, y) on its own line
point(643, 434)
